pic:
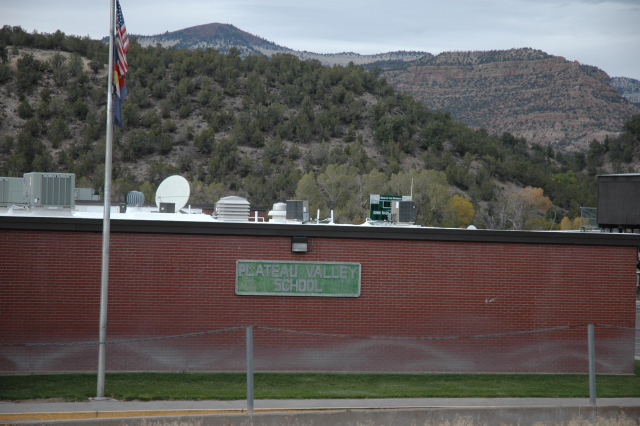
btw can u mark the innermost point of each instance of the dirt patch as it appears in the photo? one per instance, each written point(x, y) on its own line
point(46, 55)
point(19, 401)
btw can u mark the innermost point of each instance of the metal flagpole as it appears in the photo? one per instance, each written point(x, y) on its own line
point(106, 223)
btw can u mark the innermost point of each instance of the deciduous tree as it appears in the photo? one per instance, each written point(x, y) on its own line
point(527, 205)
point(458, 213)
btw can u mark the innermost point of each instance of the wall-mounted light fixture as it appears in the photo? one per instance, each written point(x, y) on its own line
point(299, 244)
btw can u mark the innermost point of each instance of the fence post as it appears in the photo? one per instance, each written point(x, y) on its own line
point(592, 365)
point(250, 370)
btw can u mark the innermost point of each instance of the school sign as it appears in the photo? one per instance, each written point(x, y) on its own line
point(275, 278)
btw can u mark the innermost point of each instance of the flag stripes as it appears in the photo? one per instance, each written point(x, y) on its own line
point(120, 64)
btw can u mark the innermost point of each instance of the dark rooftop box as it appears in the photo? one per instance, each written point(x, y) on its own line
point(619, 201)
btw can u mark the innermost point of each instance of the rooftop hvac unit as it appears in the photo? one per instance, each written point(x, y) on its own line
point(619, 201)
point(49, 190)
point(403, 211)
point(298, 210)
point(86, 194)
point(11, 191)
point(232, 209)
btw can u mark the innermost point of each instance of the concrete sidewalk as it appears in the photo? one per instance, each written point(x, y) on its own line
point(110, 409)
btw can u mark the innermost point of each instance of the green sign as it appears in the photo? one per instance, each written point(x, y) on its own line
point(380, 205)
point(276, 278)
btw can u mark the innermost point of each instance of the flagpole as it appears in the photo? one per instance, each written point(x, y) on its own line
point(106, 223)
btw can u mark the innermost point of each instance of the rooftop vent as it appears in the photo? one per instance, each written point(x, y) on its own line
point(233, 209)
point(134, 199)
point(279, 212)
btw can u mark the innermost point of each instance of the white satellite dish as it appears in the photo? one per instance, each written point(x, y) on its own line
point(174, 189)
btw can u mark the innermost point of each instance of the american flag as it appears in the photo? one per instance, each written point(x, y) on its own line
point(120, 64)
point(122, 42)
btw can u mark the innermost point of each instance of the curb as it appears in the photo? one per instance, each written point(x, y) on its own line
point(72, 415)
point(79, 415)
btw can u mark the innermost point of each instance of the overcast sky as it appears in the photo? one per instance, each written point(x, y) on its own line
point(605, 34)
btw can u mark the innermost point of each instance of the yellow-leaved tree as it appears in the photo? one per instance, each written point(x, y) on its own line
point(570, 225)
point(527, 208)
point(522, 209)
point(458, 213)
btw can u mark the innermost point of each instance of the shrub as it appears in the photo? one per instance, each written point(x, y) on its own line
point(29, 73)
point(5, 73)
point(6, 144)
point(151, 118)
point(184, 111)
point(24, 110)
point(165, 144)
point(80, 109)
point(165, 108)
point(43, 111)
point(169, 126)
point(58, 131)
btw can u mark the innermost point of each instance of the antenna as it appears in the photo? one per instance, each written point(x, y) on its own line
point(175, 190)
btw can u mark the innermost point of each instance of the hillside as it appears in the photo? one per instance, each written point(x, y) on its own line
point(224, 36)
point(629, 88)
point(281, 128)
point(529, 93)
point(215, 36)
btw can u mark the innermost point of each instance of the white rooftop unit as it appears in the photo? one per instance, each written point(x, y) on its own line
point(11, 189)
point(233, 209)
point(86, 194)
point(279, 213)
point(49, 190)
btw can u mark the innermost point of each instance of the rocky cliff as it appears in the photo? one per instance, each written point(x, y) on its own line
point(529, 93)
point(629, 88)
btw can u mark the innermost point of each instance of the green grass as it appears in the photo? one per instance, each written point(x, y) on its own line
point(230, 386)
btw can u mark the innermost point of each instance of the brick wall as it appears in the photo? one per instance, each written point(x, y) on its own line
point(167, 284)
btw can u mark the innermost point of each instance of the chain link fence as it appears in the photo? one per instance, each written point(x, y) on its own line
point(561, 349)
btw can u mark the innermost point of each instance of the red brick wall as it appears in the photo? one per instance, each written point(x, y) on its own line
point(172, 284)
point(262, 216)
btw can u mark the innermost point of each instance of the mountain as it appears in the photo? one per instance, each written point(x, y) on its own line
point(223, 36)
point(527, 92)
point(629, 88)
point(215, 36)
